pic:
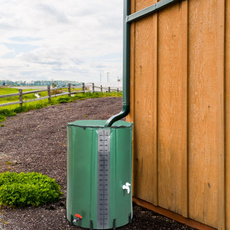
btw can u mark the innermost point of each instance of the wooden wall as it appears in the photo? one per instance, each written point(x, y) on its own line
point(180, 106)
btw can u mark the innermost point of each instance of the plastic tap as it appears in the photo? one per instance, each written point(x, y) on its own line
point(126, 187)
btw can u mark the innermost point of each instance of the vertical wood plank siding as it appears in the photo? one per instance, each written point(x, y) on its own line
point(144, 133)
point(172, 135)
point(180, 106)
point(203, 112)
point(227, 111)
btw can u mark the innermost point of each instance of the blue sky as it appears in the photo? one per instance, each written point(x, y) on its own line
point(60, 40)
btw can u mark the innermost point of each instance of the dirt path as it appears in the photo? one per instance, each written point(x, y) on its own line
point(36, 141)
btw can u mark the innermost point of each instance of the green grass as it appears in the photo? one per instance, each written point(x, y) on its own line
point(5, 91)
point(12, 110)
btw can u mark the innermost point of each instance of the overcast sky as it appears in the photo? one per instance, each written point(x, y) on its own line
point(60, 40)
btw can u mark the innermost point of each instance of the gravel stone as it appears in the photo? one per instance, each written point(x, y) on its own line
point(36, 141)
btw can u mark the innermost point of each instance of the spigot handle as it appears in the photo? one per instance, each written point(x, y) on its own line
point(126, 187)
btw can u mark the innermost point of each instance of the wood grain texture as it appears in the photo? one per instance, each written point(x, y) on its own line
point(155, 110)
point(145, 173)
point(141, 4)
point(227, 114)
point(204, 118)
point(185, 101)
point(172, 108)
point(221, 113)
point(180, 106)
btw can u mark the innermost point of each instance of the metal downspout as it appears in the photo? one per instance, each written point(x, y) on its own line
point(128, 19)
point(126, 68)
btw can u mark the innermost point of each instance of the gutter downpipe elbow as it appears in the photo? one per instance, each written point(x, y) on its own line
point(122, 114)
point(126, 68)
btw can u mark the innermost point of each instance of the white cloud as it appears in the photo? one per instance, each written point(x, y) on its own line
point(72, 40)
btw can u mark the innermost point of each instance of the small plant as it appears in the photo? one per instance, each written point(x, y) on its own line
point(39, 106)
point(27, 189)
point(2, 118)
point(7, 113)
point(63, 99)
point(21, 109)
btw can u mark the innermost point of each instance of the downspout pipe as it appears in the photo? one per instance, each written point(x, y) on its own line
point(126, 68)
point(128, 19)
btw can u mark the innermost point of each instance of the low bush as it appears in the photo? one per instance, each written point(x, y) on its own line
point(2, 118)
point(7, 112)
point(21, 109)
point(27, 189)
point(80, 96)
point(39, 106)
point(63, 99)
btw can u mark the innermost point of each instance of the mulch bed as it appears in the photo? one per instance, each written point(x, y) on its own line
point(36, 141)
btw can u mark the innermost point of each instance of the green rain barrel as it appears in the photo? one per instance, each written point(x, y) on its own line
point(99, 174)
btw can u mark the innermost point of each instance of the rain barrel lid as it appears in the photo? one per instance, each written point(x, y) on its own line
point(99, 124)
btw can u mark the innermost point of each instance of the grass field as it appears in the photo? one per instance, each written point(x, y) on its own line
point(12, 110)
point(5, 91)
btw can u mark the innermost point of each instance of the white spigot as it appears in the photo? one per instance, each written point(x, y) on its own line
point(127, 187)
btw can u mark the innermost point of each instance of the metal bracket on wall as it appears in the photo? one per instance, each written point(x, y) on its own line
point(150, 10)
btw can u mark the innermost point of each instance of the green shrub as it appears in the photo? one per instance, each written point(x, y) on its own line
point(2, 118)
point(80, 96)
point(7, 112)
point(21, 109)
point(27, 189)
point(63, 99)
point(39, 106)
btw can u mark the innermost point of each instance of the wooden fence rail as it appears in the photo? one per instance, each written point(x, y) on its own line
point(85, 88)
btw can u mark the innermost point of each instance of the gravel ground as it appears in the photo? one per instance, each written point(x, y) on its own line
point(36, 141)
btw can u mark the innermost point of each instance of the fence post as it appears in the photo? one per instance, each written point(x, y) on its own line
point(117, 90)
point(69, 89)
point(109, 89)
point(20, 97)
point(83, 87)
point(101, 88)
point(49, 93)
point(93, 89)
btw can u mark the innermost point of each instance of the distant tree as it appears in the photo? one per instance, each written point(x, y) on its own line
point(3, 83)
point(54, 85)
